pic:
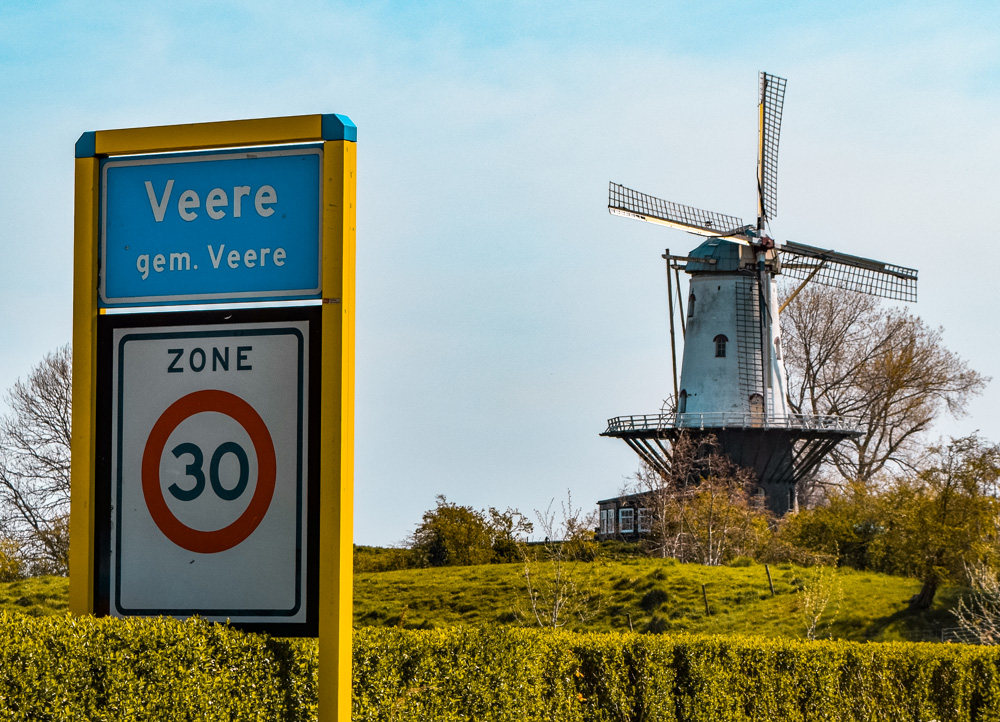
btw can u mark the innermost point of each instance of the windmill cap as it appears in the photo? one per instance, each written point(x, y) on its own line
point(728, 256)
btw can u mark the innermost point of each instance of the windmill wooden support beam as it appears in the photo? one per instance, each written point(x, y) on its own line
point(780, 456)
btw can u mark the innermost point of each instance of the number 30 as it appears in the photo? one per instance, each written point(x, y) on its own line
point(194, 470)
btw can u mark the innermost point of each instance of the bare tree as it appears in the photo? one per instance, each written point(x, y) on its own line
point(701, 507)
point(979, 613)
point(35, 464)
point(661, 491)
point(822, 589)
point(558, 589)
point(848, 354)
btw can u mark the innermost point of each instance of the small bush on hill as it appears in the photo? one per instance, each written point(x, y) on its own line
point(382, 559)
point(453, 535)
point(653, 599)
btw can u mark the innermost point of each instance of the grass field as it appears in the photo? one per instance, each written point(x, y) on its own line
point(36, 596)
point(657, 595)
point(661, 596)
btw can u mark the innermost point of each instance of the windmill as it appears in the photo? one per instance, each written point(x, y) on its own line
point(733, 382)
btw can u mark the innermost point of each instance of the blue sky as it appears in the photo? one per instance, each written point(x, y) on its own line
point(503, 314)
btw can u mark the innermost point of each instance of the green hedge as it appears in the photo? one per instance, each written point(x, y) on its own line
point(465, 674)
point(64, 668)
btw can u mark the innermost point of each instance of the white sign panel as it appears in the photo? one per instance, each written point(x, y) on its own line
point(208, 471)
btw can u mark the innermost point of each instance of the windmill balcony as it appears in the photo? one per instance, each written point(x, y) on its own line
point(728, 420)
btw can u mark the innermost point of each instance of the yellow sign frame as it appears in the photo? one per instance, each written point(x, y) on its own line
point(336, 536)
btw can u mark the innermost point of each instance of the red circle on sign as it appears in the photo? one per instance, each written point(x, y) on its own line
point(223, 402)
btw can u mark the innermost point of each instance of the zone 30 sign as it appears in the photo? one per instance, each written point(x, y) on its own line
point(210, 450)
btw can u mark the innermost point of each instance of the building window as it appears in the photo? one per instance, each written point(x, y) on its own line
point(645, 520)
point(625, 521)
point(682, 402)
point(720, 346)
point(607, 521)
point(691, 305)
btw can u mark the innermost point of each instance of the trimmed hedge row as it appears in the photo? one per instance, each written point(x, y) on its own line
point(64, 668)
point(86, 669)
point(515, 674)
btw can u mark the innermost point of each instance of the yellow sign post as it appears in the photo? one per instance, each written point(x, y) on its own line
point(336, 136)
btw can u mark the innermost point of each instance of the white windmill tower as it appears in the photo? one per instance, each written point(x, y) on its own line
point(733, 382)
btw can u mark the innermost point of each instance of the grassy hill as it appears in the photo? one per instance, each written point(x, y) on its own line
point(36, 596)
point(658, 595)
point(662, 596)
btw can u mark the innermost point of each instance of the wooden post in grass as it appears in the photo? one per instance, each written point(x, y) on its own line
point(770, 583)
point(704, 595)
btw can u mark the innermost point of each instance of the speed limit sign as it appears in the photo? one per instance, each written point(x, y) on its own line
point(210, 465)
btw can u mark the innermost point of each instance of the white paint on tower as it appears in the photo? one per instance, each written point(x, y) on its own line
point(732, 365)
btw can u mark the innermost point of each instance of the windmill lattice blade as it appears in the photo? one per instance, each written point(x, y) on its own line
point(853, 273)
point(772, 100)
point(626, 202)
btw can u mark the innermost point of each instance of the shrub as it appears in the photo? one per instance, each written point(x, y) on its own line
point(652, 599)
point(382, 559)
point(518, 674)
point(66, 668)
point(12, 565)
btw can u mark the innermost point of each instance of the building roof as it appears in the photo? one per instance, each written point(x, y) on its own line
point(625, 498)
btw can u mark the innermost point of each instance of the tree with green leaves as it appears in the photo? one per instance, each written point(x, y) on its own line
point(846, 529)
point(453, 535)
point(945, 518)
point(933, 524)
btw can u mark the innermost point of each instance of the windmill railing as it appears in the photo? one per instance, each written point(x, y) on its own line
point(728, 420)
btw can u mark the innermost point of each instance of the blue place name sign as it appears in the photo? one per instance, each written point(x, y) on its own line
point(208, 227)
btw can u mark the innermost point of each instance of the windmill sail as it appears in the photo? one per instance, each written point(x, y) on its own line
point(626, 202)
point(772, 100)
point(743, 402)
point(853, 273)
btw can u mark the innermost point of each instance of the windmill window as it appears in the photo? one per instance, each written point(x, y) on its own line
point(691, 305)
point(777, 347)
point(720, 346)
point(682, 402)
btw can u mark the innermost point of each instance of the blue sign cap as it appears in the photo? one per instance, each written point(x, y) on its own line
point(339, 127)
